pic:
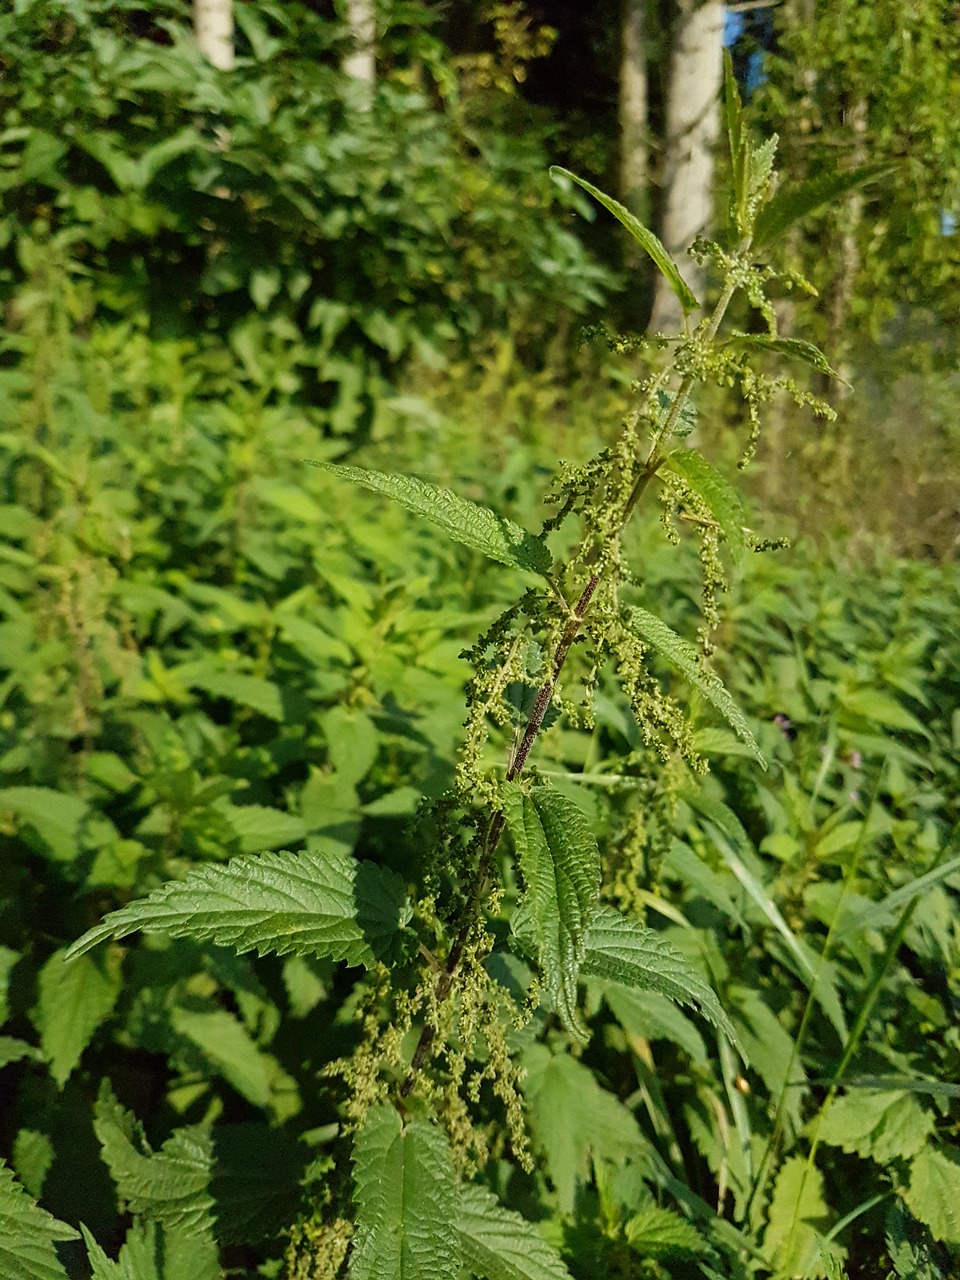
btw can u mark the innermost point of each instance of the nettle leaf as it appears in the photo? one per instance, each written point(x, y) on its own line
point(53, 815)
point(560, 864)
point(406, 1198)
point(499, 1244)
point(790, 204)
point(883, 1126)
point(686, 419)
point(623, 951)
point(796, 1220)
point(169, 1186)
point(76, 996)
point(645, 238)
point(574, 1120)
point(717, 494)
point(27, 1234)
point(465, 521)
point(792, 348)
point(152, 1251)
point(686, 658)
point(228, 1049)
point(933, 1195)
point(255, 1184)
point(658, 1233)
point(310, 903)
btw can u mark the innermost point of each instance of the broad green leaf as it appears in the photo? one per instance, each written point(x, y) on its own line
point(465, 521)
point(352, 743)
point(682, 654)
point(406, 1196)
point(153, 1251)
point(499, 1244)
point(560, 864)
point(733, 116)
point(54, 816)
point(623, 951)
point(791, 204)
point(314, 904)
point(797, 1220)
point(76, 996)
point(874, 704)
point(658, 1233)
point(882, 1126)
point(8, 958)
point(686, 419)
point(254, 692)
point(168, 1186)
point(717, 494)
point(574, 1120)
point(27, 1234)
point(645, 238)
point(792, 348)
point(231, 1052)
point(933, 1195)
point(259, 827)
point(33, 1155)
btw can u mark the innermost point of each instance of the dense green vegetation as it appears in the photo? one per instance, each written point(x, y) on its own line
point(209, 650)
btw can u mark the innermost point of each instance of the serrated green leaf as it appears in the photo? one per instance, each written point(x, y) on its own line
point(8, 958)
point(686, 418)
point(792, 348)
point(255, 1183)
point(717, 494)
point(933, 1195)
point(168, 1186)
point(681, 654)
point(574, 1120)
point(733, 116)
point(27, 1234)
point(259, 827)
point(560, 864)
point(645, 238)
point(498, 1244)
point(310, 903)
point(153, 1251)
point(657, 1233)
point(796, 1220)
point(254, 692)
point(406, 1198)
point(13, 1050)
point(465, 521)
point(791, 204)
point(352, 743)
point(54, 816)
point(882, 1126)
point(874, 704)
point(76, 996)
point(623, 951)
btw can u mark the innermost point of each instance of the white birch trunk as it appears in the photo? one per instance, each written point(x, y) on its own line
point(213, 28)
point(360, 63)
point(692, 129)
point(632, 110)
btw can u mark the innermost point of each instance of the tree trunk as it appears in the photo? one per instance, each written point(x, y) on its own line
point(360, 63)
point(213, 28)
point(632, 109)
point(692, 128)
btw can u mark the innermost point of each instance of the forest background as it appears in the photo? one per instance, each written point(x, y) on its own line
point(329, 232)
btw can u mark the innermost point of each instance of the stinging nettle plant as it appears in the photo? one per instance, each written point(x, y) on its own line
point(513, 907)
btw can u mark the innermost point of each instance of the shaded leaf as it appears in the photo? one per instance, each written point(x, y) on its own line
point(560, 864)
point(54, 816)
point(465, 521)
point(645, 238)
point(883, 1126)
point(499, 1244)
point(406, 1198)
point(153, 1251)
point(796, 1220)
point(658, 1233)
point(685, 657)
point(320, 904)
point(792, 348)
point(574, 1120)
